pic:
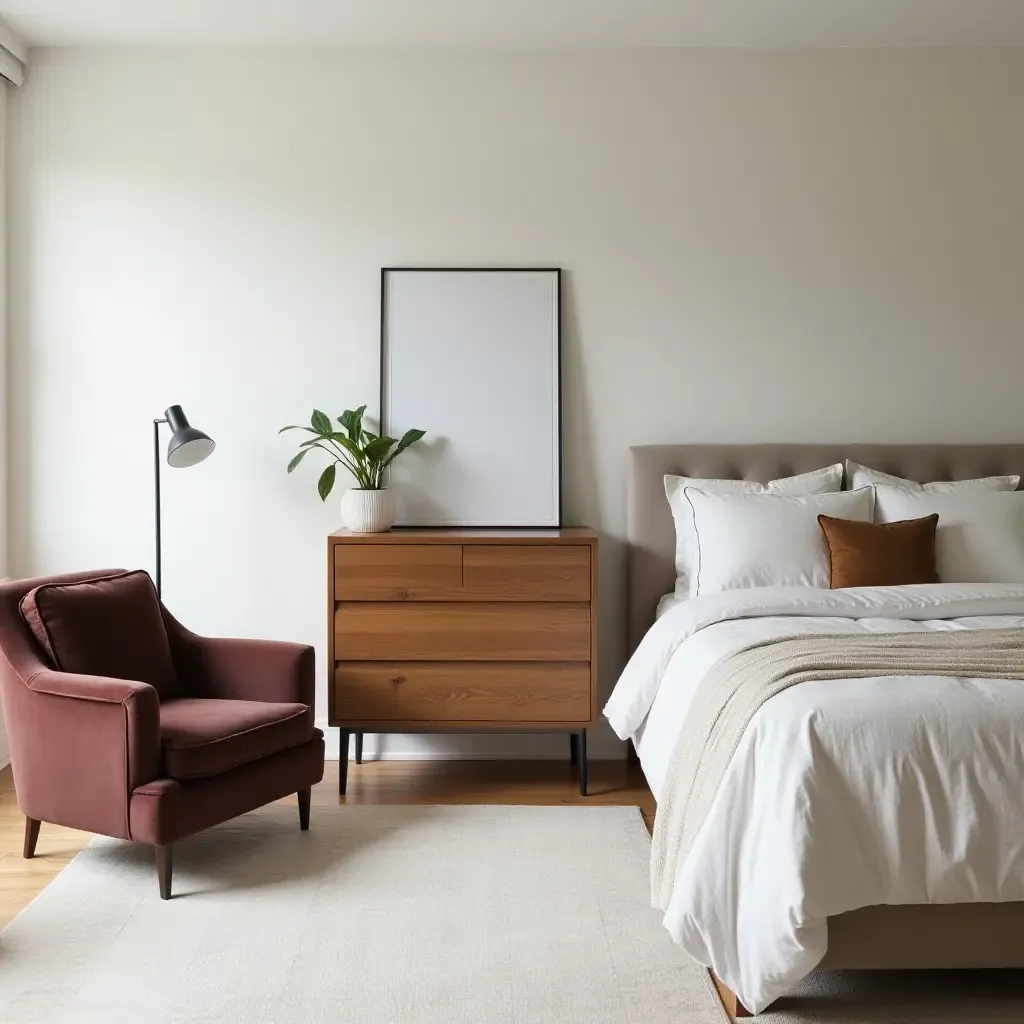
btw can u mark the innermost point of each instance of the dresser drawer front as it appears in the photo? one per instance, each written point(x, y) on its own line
point(459, 692)
point(528, 572)
point(397, 572)
point(437, 631)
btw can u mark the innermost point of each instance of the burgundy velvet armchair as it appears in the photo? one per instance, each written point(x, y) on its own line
point(123, 722)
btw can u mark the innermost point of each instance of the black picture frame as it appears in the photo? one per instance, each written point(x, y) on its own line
point(385, 275)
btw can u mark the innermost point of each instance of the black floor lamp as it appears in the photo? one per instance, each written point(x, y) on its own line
point(186, 447)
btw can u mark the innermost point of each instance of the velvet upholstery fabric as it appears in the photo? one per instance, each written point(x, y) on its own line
point(880, 554)
point(86, 749)
point(104, 627)
point(206, 736)
point(167, 810)
point(241, 669)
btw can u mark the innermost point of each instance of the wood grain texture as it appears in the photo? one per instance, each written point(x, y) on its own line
point(381, 572)
point(437, 692)
point(526, 572)
point(434, 631)
point(474, 535)
point(384, 782)
point(521, 597)
point(733, 1006)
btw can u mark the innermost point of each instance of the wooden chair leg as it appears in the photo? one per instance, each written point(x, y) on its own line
point(164, 869)
point(733, 1006)
point(304, 795)
point(31, 837)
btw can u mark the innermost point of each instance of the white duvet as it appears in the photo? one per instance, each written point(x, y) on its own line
point(841, 794)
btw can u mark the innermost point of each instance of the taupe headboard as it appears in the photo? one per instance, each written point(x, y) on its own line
point(649, 529)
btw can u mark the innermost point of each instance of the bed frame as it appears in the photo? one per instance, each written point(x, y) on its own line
point(930, 936)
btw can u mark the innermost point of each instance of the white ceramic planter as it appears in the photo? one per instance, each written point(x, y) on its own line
point(368, 511)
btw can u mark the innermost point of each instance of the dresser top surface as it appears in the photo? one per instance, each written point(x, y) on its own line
point(457, 535)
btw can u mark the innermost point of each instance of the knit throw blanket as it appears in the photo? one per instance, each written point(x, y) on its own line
point(735, 687)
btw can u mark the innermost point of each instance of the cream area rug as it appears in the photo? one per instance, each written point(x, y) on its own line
point(439, 915)
point(407, 915)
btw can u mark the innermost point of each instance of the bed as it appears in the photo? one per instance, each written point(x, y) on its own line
point(914, 935)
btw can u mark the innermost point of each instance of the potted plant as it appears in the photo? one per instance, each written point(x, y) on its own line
point(368, 507)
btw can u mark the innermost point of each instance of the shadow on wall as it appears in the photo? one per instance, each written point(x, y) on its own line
point(581, 501)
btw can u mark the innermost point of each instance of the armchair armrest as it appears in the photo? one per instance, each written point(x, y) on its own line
point(86, 743)
point(267, 670)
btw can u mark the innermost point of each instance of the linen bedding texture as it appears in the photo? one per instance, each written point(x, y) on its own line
point(780, 805)
point(732, 534)
point(821, 481)
point(758, 540)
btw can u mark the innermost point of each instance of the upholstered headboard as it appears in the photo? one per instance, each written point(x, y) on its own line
point(649, 530)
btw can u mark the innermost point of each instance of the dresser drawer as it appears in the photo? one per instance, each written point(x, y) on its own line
point(528, 572)
point(397, 572)
point(459, 692)
point(440, 631)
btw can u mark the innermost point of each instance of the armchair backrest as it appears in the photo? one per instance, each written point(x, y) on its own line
point(22, 656)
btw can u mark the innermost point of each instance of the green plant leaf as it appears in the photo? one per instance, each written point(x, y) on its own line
point(350, 446)
point(320, 422)
point(352, 421)
point(295, 426)
point(326, 482)
point(410, 437)
point(298, 458)
point(377, 449)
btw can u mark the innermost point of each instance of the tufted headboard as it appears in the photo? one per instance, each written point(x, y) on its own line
point(649, 530)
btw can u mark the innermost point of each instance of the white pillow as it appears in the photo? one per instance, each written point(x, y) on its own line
point(820, 481)
point(861, 476)
point(980, 537)
point(765, 540)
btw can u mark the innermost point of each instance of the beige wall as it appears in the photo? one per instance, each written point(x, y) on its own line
point(805, 246)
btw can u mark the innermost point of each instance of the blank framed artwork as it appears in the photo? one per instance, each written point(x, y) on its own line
point(473, 357)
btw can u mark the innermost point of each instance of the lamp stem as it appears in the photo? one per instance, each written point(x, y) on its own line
point(156, 481)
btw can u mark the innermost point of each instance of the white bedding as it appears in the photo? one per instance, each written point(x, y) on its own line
point(841, 794)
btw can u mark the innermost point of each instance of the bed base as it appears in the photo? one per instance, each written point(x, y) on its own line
point(954, 936)
point(733, 1006)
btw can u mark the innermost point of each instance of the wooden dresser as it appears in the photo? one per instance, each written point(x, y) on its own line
point(463, 630)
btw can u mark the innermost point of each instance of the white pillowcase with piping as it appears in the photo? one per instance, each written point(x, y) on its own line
point(980, 536)
point(819, 481)
point(861, 476)
point(766, 540)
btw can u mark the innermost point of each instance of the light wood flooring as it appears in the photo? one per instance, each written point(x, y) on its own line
point(382, 782)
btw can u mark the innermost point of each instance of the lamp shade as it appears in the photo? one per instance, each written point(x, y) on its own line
point(187, 445)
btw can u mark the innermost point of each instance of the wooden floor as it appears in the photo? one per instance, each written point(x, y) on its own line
point(383, 782)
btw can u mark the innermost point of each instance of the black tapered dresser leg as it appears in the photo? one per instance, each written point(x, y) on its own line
point(359, 748)
point(574, 749)
point(631, 754)
point(582, 744)
point(343, 735)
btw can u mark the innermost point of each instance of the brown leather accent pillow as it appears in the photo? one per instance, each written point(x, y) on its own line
point(880, 554)
point(112, 626)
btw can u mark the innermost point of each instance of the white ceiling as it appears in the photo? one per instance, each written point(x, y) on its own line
point(520, 23)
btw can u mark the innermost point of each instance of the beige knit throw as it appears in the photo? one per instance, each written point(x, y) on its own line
point(736, 686)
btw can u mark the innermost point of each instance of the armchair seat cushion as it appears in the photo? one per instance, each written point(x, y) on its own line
point(203, 737)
